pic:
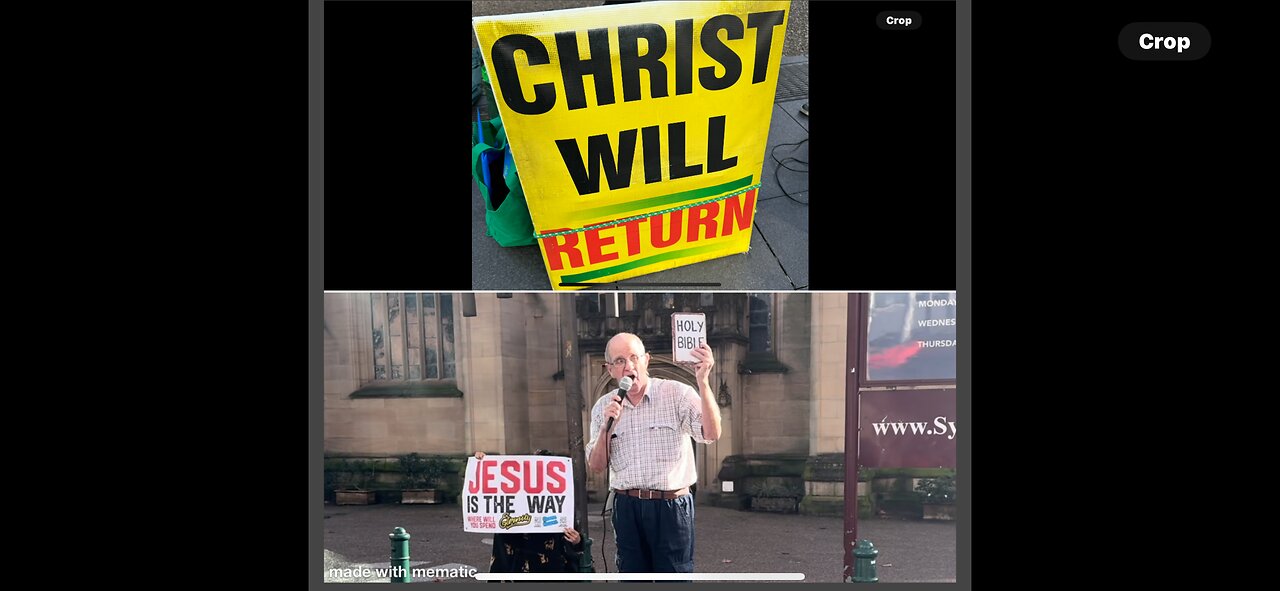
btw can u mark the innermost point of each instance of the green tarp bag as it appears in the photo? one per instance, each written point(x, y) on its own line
point(506, 215)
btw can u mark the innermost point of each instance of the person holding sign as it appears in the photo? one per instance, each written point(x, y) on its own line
point(650, 461)
point(535, 552)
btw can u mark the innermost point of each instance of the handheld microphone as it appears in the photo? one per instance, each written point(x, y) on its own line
point(623, 385)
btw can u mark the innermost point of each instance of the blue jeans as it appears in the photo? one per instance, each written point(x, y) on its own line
point(653, 536)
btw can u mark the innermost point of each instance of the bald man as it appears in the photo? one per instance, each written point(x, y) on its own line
point(649, 457)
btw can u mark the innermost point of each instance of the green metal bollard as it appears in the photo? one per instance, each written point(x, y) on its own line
point(585, 565)
point(864, 564)
point(399, 555)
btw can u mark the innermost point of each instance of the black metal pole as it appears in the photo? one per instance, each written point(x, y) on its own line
point(852, 347)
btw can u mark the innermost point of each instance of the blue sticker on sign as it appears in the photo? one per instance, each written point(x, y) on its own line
point(548, 520)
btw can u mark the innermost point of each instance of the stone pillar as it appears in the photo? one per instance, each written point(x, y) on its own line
point(827, 368)
point(824, 472)
point(482, 382)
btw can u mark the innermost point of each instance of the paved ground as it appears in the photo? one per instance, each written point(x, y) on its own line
point(727, 541)
point(778, 258)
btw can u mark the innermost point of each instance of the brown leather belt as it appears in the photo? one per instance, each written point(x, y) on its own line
point(648, 495)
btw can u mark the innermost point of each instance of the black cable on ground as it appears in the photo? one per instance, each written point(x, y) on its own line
point(783, 164)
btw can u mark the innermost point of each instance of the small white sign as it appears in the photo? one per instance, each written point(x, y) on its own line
point(726, 486)
point(518, 494)
point(688, 332)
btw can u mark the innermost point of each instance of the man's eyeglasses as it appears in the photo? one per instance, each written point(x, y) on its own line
point(622, 361)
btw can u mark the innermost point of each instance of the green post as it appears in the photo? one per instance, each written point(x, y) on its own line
point(864, 564)
point(585, 565)
point(399, 555)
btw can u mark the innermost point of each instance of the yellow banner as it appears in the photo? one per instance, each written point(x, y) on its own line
point(638, 130)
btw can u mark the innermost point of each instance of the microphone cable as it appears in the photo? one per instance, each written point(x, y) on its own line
point(606, 511)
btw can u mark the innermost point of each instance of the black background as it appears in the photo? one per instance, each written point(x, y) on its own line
point(397, 190)
point(1110, 173)
point(882, 151)
point(1098, 179)
point(1075, 147)
point(397, 119)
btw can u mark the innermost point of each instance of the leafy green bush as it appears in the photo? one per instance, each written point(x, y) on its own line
point(937, 491)
point(351, 475)
point(418, 472)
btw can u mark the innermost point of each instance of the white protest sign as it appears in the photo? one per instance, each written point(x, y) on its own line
point(688, 332)
point(518, 494)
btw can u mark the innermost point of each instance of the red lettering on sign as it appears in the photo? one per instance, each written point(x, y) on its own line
point(554, 248)
point(594, 243)
point(510, 471)
point(530, 486)
point(704, 222)
point(703, 216)
point(556, 482)
point(633, 237)
point(484, 479)
point(533, 475)
point(738, 212)
point(655, 229)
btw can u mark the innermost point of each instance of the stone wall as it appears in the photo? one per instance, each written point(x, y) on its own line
point(373, 427)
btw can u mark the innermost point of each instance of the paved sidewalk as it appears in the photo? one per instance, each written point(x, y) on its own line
point(726, 541)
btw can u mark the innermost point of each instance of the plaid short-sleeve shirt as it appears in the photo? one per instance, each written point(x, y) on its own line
point(650, 444)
